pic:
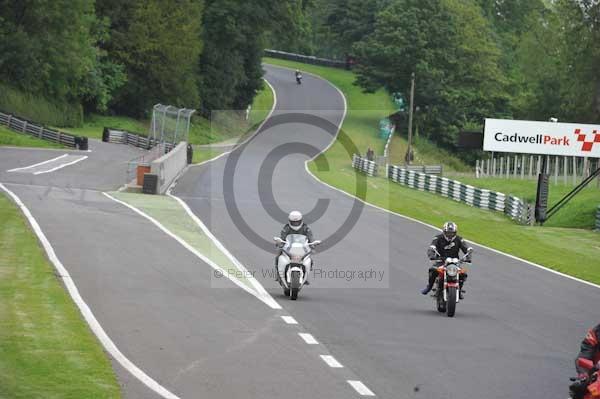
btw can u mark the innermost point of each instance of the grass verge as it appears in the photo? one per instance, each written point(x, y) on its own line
point(168, 212)
point(578, 248)
point(14, 139)
point(46, 349)
point(46, 111)
point(580, 212)
point(202, 154)
point(201, 129)
point(425, 153)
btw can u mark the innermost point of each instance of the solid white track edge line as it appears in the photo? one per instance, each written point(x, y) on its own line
point(85, 310)
point(416, 220)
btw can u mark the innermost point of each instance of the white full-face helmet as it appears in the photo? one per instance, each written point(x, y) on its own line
point(295, 220)
point(450, 229)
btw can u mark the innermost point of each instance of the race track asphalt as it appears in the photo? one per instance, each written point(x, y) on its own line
point(162, 306)
point(514, 336)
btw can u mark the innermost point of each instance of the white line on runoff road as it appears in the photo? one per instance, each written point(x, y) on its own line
point(50, 165)
point(37, 164)
point(61, 165)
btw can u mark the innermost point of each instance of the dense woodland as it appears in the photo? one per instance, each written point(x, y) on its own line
point(123, 56)
point(529, 59)
point(525, 59)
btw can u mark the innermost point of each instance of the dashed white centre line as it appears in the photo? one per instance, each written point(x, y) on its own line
point(289, 319)
point(361, 388)
point(308, 338)
point(331, 361)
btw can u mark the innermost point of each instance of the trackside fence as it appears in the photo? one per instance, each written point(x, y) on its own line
point(514, 207)
point(598, 219)
point(110, 135)
point(24, 126)
point(307, 59)
point(364, 165)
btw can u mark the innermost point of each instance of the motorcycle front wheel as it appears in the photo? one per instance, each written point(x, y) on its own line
point(451, 301)
point(295, 285)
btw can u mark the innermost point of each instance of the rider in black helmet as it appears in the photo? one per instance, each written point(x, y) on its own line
point(448, 244)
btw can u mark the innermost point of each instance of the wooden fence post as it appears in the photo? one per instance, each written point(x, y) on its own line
point(522, 166)
point(574, 171)
point(530, 166)
point(556, 169)
point(565, 169)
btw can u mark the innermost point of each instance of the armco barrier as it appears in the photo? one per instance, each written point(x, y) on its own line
point(169, 166)
point(118, 136)
point(514, 207)
point(364, 165)
point(598, 219)
point(24, 126)
point(305, 59)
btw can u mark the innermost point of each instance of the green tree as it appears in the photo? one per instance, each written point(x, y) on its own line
point(351, 20)
point(450, 47)
point(580, 59)
point(235, 33)
point(159, 43)
point(46, 46)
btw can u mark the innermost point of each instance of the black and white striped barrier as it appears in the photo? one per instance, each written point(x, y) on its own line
point(477, 197)
point(364, 165)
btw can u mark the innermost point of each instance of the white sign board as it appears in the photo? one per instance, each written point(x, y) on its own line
point(548, 138)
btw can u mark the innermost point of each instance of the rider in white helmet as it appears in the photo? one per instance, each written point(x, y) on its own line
point(295, 225)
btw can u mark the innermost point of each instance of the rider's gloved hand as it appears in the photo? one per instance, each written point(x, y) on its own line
point(578, 389)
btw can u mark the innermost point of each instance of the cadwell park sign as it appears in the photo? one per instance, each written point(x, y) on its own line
point(547, 138)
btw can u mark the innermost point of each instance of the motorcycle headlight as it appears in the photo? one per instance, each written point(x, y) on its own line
point(452, 270)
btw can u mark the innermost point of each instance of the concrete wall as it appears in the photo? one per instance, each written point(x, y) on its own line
point(168, 167)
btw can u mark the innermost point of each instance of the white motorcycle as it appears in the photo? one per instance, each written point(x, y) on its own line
point(294, 264)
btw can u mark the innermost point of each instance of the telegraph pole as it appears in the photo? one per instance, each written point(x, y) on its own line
point(410, 118)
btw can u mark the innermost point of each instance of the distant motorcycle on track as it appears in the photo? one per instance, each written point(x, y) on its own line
point(298, 78)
